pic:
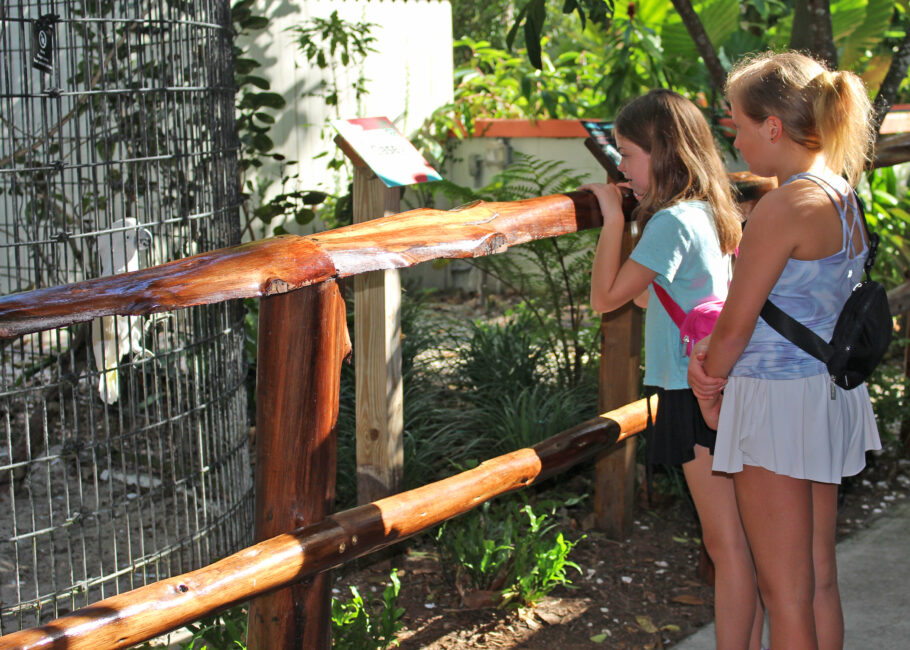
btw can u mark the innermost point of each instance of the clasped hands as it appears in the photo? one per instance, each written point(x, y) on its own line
point(708, 390)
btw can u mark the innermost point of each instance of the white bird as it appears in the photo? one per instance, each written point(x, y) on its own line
point(113, 337)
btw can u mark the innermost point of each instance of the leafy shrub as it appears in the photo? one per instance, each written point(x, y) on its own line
point(887, 202)
point(509, 548)
point(498, 356)
point(357, 626)
point(511, 393)
point(889, 390)
point(221, 631)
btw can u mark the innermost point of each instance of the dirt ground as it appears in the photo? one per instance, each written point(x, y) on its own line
point(644, 591)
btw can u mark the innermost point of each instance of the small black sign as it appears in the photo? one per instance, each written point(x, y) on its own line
point(43, 42)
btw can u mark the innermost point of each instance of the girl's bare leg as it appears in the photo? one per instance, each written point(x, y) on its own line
point(777, 514)
point(829, 617)
point(738, 614)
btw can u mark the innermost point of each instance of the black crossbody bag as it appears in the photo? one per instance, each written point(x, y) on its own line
point(861, 335)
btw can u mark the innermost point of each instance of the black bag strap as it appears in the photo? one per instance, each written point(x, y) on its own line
point(797, 333)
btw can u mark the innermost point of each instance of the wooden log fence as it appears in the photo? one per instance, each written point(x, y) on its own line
point(281, 264)
point(303, 338)
point(289, 558)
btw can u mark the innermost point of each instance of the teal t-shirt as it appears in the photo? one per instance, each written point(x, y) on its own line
point(680, 244)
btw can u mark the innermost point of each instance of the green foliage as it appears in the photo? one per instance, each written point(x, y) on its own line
point(533, 16)
point(256, 103)
point(887, 202)
point(889, 390)
point(255, 117)
point(552, 276)
point(221, 631)
point(330, 45)
point(645, 44)
point(358, 626)
point(497, 357)
point(510, 396)
point(508, 547)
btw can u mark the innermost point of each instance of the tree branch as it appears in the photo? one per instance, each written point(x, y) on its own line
point(897, 71)
point(702, 43)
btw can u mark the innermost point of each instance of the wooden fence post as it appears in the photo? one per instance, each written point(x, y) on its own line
point(614, 474)
point(303, 340)
point(379, 393)
point(377, 355)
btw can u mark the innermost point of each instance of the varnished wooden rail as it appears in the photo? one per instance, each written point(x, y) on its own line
point(144, 613)
point(281, 264)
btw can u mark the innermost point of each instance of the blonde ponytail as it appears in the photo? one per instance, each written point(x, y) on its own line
point(844, 117)
point(819, 109)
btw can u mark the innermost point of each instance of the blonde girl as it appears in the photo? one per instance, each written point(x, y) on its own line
point(785, 432)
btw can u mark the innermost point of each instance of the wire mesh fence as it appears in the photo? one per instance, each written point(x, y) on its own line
point(124, 454)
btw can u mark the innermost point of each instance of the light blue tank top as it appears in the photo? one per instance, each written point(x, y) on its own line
point(811, 291)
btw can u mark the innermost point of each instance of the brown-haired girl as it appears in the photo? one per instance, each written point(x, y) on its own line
point(785, 432)
point(689, 228)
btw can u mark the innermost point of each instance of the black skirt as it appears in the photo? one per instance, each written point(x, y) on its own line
point(678, 427)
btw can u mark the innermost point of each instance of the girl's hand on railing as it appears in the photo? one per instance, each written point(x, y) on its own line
point(704, 386)
point(609, 198)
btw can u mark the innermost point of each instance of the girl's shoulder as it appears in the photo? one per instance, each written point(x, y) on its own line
point(683, 209)
point(794, 201)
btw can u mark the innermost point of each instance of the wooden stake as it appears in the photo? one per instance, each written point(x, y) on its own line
point(614, 479)
point(377, 356)
point(302, 341)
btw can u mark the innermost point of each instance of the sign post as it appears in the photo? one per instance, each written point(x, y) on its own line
point(384, 161)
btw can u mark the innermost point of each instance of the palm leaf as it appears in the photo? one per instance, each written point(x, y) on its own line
point(859, 26)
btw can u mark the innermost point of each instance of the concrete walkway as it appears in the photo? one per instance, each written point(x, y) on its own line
point(874, 576)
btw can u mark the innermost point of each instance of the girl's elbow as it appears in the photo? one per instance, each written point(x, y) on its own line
point(603, 304)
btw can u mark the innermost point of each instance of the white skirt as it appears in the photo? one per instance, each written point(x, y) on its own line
point(793, 427)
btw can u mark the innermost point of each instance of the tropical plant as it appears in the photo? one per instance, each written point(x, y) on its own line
point(887, 203)
point(331, 45)
point(552, 276)
point(358, 625)
point(509, 547)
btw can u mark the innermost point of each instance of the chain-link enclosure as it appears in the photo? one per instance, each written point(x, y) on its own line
point(123, 442)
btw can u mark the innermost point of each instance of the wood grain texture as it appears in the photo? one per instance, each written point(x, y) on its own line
point(614, 472)
point(261, 268)
point(288, 262)
point(379, 393)
point(302, 341)
point(285, 559)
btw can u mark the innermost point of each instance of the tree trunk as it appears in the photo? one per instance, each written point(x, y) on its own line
point(887, 92)
point(812, 30)
point(702, 43)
